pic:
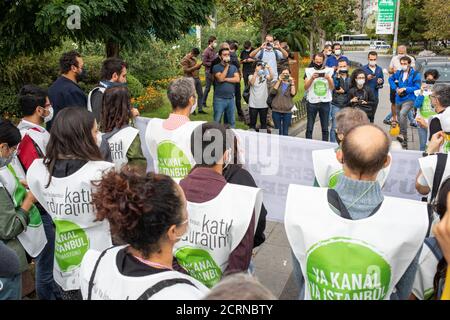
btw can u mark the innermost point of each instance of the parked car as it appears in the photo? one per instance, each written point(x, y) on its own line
point(441, 64)
point(379, 45)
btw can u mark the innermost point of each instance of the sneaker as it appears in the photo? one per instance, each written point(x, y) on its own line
point(400, 138)
point(202, 112)
point(388, 122)
point(405, 145)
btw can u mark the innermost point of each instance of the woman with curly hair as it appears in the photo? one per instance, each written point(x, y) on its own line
point(149, 213)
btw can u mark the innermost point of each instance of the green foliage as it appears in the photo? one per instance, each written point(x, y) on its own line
point(135, 87)
point(9, 107)
point(412, 23)
point(33, 26)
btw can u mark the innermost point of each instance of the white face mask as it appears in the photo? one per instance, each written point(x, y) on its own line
point(372, 63)
point(360, 82)
point(404, 68)
point(214, 44)
point(337, 52)
point(49, 117)
point(228, 161)
point(194, 106)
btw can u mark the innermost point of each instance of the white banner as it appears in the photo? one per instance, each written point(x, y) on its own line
point(277, 161)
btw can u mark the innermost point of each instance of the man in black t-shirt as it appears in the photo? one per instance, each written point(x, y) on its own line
point(248, 65)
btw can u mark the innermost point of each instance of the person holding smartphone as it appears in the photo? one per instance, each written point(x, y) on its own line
point(284, 91)
point(340, 94)
point(360, 95)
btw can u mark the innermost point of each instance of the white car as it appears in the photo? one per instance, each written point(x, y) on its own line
point(379, 45)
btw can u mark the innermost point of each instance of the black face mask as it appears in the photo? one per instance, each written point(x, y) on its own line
point(430, 81)
point(317, 66)
point(81, 77)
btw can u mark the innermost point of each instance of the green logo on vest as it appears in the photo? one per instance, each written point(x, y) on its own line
point(446, 147)
point(71, 244)
point(19, 195)
point(320, 88)
point(426, 111)
point(200, 265)
point(172, 161)
point(334, 179)
point(346, 269)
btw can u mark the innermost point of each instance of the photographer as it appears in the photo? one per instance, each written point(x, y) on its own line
point(319, 86)
point(375, 77)
point(405, 81)
point(340, 94)
point(284, 91)
point(360, 95)
point(270, 53)
point(259, 91)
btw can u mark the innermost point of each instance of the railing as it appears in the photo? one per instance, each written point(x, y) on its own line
point(300, 113)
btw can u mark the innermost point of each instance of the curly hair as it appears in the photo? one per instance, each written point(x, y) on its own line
point(140, 208)
point(67, 60)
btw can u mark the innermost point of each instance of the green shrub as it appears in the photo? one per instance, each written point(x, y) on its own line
point(9, 107)
point(135, 86)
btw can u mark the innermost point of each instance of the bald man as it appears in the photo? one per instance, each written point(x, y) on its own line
point(327, 169)
point(352, 243)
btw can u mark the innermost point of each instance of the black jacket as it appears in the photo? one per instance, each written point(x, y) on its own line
point(236, 174)
point(365, 94)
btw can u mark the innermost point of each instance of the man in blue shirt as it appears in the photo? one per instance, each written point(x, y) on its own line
point(226, 76)
point(332, 61)
point(65, 92)
point(405, 81)
point(375, 78)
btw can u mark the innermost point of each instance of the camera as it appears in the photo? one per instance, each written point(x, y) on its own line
point(321, 74)
point(286, 77)
point(402, 94)
point(262, 64)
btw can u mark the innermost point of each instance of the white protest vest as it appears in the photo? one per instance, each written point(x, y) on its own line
point(89, 104)
point(320, 88)
point(120, 143)
point(328, 170)
point(40, 138)
point(216, 228)
point(171, 149)
point(110, 284)
point(423, 287)
point(344, 259)
point(68, 201)
point(428, 168)
point(33, 238)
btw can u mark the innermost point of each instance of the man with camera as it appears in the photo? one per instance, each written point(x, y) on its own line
point(225, 77)
point(375, 78)
point(319, 86)
point(340, 94)
point(270, 53)
point(405, 81)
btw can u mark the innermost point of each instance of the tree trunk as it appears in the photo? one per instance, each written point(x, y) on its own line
point(112, 49)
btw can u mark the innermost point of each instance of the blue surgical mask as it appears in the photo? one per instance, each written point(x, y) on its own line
point(261, 73)
point(5, 161)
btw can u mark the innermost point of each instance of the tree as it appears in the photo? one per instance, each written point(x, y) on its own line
point(33, 26)
point(437, 14)
point(412, 21)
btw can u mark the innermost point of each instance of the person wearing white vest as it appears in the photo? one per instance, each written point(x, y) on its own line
point(222, 216)
point(342, 239)
point(327, 168)
point(62, 183)
point(15, 207)
point(37, 111)
point(430, 277)
point(319, 86)
point(148, 212)
point(121, 142)
point(169, 140)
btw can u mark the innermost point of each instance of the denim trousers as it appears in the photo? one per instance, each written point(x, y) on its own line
point(282, 122)
point(323, 109)
point(224, 107)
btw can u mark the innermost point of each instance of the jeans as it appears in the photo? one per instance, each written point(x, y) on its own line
point(298, 276)
point(323, 108)
point(253, 112)
point(224, 107)
point(11, 288)
point(423, 135)
point(402, 112)
point(207, 88)
point(282, 122)
point(198, 88)
point(410, 116)
point(333, 110)
point(237, 96)
point(45, 285)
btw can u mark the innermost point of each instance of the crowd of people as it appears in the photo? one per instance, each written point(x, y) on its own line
point(102, 221)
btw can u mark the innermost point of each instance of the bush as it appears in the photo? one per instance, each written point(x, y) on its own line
point(135, 87)
point(151, 100)
point(9, 107)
